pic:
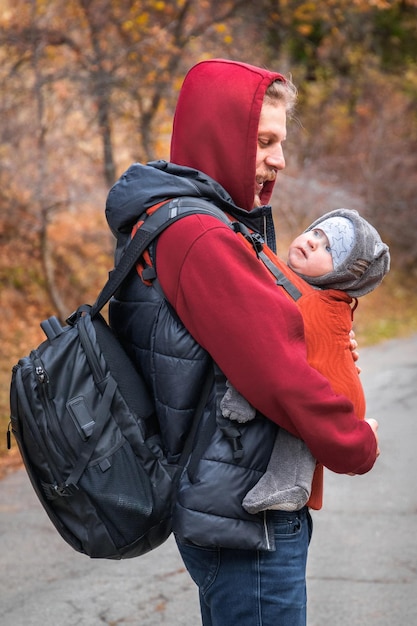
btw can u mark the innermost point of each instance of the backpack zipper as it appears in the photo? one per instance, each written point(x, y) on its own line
point(31, 421)
point(42, 377)
point(44, 387)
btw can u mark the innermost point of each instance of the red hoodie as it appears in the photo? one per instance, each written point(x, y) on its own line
point(216, 132)
point(226, 297)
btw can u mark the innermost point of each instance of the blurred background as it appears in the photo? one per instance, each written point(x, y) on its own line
point(89, 86)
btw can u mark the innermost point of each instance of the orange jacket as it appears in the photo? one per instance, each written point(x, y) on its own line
point(327, 316)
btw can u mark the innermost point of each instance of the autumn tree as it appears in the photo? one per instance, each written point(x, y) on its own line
point(92, 70)
point(88, 86)
point(94, 83)
point(354, 64)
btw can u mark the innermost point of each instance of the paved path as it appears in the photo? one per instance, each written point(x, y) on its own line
point(363, 559)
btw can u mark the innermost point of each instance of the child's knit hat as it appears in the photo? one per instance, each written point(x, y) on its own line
point(341, 235)
point(360, 258)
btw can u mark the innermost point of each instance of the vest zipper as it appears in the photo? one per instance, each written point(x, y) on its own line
point(268, 543)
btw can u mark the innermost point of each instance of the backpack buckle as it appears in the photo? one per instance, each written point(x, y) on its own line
point(254, 238)
point(257, 242)
point(64, 490)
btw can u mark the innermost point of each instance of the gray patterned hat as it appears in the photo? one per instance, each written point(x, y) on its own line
point(341, 235)
point(360, 258)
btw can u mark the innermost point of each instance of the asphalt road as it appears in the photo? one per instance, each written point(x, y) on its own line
point(362, 567)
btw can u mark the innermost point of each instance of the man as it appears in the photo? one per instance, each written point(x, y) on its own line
point(214, 301)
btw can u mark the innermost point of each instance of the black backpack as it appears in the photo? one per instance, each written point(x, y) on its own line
point(85, 424)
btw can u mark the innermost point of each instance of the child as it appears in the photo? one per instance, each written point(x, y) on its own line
point(341, 257)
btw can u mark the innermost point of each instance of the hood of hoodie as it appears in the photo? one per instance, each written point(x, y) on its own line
point(142, 186)
point(216, 123)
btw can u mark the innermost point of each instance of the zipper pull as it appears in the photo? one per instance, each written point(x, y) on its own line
point(43, 378)
point(41, 374)
point(9, 436)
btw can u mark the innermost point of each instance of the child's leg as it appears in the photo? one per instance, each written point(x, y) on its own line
point(286, 484)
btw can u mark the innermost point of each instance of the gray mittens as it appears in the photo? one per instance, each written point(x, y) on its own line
point(286, 484)
point(235, 407)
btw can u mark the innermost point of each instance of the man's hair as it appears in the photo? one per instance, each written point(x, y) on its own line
point(280, 91)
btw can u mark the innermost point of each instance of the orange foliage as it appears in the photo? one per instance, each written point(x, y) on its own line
point(87, 87)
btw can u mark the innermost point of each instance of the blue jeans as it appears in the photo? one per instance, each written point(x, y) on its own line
point(254, 588)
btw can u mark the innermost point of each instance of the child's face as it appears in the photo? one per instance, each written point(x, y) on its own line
point(310, 254)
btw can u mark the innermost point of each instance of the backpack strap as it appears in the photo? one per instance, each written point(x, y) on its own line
point(152, 226)
point(155, 223)
point(188, 206)
point(257, 242)
point(280, 278)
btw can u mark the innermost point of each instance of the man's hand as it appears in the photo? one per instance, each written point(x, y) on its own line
point(374, 425)
point(353, 348)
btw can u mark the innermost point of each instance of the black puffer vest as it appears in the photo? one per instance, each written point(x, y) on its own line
point(208, 511)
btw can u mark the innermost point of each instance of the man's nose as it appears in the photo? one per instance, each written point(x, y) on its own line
point(276, 159)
